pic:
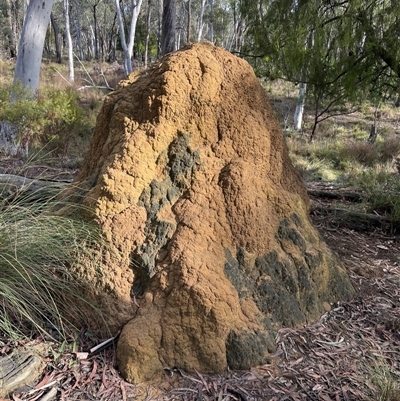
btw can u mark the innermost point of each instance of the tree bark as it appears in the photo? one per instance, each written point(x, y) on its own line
point(56, 31)
point(357, 221)
point(30, 189)
point(148, 20)
point(19, 369)
point(168, 27)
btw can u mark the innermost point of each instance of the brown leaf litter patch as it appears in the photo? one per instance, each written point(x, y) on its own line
point(334, 358)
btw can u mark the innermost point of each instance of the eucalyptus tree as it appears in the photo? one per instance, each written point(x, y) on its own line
point(69, 42)
point(147, 39)
point(133, 10)
point(168, 30)
point(344, 50)
point(27, 69)
point(57, 41)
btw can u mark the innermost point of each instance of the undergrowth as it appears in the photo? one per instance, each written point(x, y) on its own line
point(372, 168)
point(53, 119)
point(39, 253)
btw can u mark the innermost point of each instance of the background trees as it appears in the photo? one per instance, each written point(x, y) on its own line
point(339, 52)
point(343, 50)
point(122, 30)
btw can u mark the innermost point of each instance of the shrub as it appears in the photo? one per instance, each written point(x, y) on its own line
point(53, 117)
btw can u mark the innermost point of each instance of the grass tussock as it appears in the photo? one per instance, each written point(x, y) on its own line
point(383, 385)
point(40, 293)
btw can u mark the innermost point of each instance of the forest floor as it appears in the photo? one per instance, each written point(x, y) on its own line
point(351, 353)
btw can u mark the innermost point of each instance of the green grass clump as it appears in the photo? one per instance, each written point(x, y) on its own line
point(382, 190)
point(361, 152)
point(39, 253)
point(383, 383)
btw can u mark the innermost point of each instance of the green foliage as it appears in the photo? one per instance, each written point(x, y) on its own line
point(39, 253)
point(50, 117)
point(345, 51)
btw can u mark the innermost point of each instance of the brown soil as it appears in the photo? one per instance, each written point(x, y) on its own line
point(335, 358)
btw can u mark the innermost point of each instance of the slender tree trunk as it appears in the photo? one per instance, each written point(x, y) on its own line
point(96, 34)
point(373, 133)
point(298, 114)
point(77, 26)
point(159, 30)
point(148, 20)
point(189, 20)
point(12, 43)
point(128, 46)
point(111, 41)
point(212, 21)
point(69, 41)
point(168, 29)
point(200, 21)
point(316, 119)
point(91, 47)
point(56, 31)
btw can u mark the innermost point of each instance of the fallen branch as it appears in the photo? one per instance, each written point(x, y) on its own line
point(358, 221)
point(353, 196)
point(13, 185)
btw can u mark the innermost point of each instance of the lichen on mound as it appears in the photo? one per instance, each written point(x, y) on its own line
point(190, 178)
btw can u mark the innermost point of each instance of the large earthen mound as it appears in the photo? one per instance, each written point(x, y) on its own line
point(190, 179)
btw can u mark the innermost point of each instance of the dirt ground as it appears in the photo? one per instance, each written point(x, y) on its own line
point(351, 353)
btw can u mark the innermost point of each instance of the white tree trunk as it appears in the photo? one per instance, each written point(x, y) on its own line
point(128, 46)
point(298, 114)
point(69, 42)
point(200, 24)
point(30, 50)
